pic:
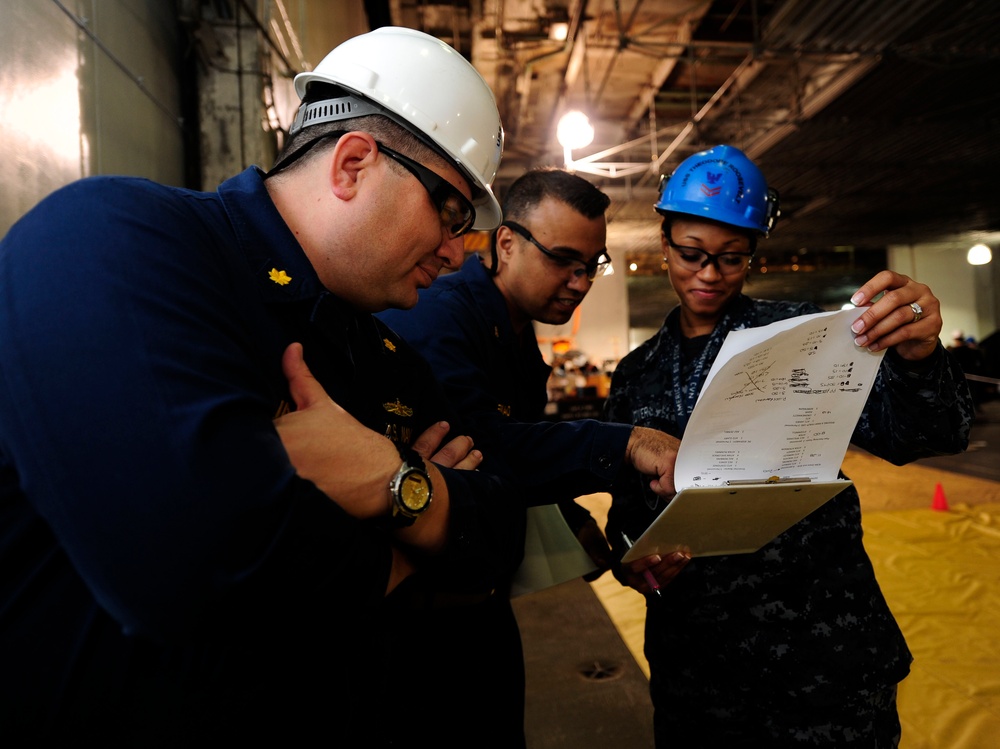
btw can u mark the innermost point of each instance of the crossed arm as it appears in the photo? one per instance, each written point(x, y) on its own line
point(353, 465)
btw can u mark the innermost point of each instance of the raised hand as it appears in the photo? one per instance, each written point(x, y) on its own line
point(907, 316)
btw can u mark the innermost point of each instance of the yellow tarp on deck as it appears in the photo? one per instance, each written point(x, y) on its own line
point(940, 572)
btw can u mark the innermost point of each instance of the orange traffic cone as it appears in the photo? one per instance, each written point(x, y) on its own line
point(940, 502)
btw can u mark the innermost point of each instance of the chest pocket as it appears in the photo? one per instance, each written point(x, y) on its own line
point(367, 371)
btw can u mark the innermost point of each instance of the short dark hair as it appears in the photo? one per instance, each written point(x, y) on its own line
point(667, 225)
point(304, 145)
point(531, 188)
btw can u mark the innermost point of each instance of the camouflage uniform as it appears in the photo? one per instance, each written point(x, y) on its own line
point(794, 644)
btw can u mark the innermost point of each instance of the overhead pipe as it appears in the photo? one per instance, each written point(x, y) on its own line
point(575, 21)
point(590, 165)
point(858, 64)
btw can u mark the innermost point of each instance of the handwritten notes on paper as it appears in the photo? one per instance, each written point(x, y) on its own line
point(781, 400)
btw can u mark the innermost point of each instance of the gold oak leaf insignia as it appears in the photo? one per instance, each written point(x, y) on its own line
point(389, 344)
point(279, 277)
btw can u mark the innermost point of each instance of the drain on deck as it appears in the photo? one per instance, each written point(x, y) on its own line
point(598, 671)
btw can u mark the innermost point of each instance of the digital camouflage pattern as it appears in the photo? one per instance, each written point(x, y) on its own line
point(799, 626)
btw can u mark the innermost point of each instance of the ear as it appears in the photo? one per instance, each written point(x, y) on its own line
point(665, 247)
point(352, 157)
point(505, 246)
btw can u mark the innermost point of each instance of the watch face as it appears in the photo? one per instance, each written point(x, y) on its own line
point(415, 491)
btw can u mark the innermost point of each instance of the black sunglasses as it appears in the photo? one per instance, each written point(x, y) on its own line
point(456, 211)
point(592, 270)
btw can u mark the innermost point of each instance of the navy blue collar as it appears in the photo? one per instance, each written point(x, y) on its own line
point(489, 298)
point(276, 258)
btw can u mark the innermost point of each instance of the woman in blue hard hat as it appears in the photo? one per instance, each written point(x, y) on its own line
point(793, 645)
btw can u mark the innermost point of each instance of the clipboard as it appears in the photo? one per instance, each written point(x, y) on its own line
point(738, 518)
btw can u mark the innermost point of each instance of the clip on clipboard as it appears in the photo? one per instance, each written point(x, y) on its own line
point(737, 518)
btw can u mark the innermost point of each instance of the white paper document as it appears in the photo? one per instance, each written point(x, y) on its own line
point(552, 555)
point(768, 434)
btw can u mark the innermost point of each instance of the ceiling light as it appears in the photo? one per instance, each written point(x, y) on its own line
point(574, 130)
point(979, 255)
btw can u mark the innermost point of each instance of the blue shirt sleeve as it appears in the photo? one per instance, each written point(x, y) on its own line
point(136, 411)
point(916, 410)
point(501, 394)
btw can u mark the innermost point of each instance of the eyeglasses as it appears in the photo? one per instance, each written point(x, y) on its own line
point(456, 211)
point(596, 267)
point(726, 263)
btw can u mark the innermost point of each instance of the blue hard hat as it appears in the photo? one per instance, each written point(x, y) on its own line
point(720, 184)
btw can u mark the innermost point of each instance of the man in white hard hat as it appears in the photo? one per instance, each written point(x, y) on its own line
point(175, 565)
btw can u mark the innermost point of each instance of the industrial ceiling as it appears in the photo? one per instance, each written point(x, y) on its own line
point(876, 120)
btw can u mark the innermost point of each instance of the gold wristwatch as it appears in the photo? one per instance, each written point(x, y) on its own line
point(410, 489)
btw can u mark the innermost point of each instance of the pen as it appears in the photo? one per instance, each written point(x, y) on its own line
point(650, 577)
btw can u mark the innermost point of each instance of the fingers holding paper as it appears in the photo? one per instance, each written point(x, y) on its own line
point(654, 453)
point(907, 316)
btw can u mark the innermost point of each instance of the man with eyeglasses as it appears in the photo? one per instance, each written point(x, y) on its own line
point(185, 552)
point(475, 328)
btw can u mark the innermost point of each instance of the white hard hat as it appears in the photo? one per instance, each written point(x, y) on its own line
point(428, 88)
